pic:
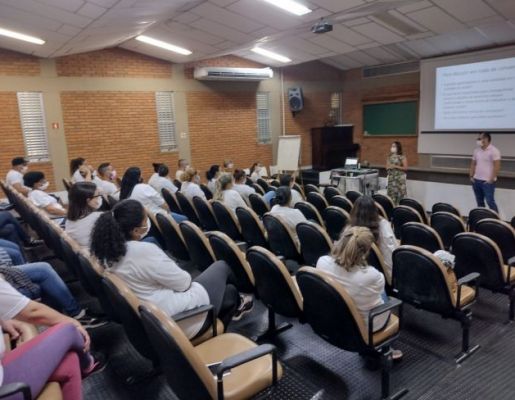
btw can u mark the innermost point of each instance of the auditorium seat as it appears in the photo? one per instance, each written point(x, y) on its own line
point(187, 208)
point(252, 368)
point(416, 205)
point(199, 249)
point(275, 288)
point(342, 325)
point(205, 214)
point(439, 207)
point(259, 190)
point(502, 234)
point(310, 212)
point(258, 204)
point(171, 200)
point(264, 185)
point(331, 191)
point(386, 203)
point(341, 201)
point(224, 248)
point(353, 195)
point(174, 241)
point(420, 279)
point(299, 189)
point(381, 211)
point(281, 239)
point(314, 242)
point(317, 200)
point(309, 187)
point(227, 221)
point(479, 213)
point(252, 228)
point(421, 235)
point(478, 253)
point(402, 215)
point(155, 230)
point(447, 225)
point(376, 260)
point(207, 191)
point(336, 219)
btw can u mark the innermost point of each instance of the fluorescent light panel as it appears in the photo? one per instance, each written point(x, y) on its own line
point(21, 36)
point(290, 6)
point(270, 54)
point(163, 45)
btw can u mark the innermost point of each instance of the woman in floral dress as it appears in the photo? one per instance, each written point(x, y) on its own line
point(396, 167)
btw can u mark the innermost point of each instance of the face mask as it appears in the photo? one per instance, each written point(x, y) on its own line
point(112, 175)
point(147, 230)
point(479, 143)
point(44, 186)
point(97, 204)
point(393, 149)
point(24, 169)
point(230, 165)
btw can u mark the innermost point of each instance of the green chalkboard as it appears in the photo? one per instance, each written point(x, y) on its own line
point(390, 119)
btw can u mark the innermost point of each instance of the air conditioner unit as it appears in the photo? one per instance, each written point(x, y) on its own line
point(232, 74)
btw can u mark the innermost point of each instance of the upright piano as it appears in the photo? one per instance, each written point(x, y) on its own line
point(330, 145)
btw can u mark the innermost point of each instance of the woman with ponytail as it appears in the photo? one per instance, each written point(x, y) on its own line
point(133, 188)
point(226, 194)
point(190, 184)
point(365, 284)
point(291, 216)
point(156, 278)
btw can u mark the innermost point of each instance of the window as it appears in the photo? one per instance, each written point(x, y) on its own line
point(33, 125)
point(335, 115)
point(165, 109)
point(263, 117)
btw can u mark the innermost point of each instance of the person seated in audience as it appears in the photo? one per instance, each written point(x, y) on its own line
point(162, 180)
point(212, 175)
point(40, 280)
point(154, 176)
point(155, 277)
point(190, 186)
point(347, 263)
point(80, 171)
point(84, 201)
point(365, 213)
point(134, 188)
point(240, 186)
point(228, 166)
point(36, 181)
point(12, 231)
point(255, 172)
point(182, 165)
point(226, 194)
point(14, 177)
point(59, 354)
point(285, 180)
point(291, 216)
point(105, 180)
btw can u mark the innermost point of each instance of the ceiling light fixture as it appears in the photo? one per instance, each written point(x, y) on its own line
point(163, 45)
point(21, 36)
point(290, 6)
point(271, 54)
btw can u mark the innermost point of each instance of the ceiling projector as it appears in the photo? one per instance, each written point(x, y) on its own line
point(322, 27)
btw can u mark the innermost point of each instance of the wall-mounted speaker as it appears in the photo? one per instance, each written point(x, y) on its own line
point(295, 99)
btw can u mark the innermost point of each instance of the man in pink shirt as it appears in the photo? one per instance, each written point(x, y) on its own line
point(484, 168)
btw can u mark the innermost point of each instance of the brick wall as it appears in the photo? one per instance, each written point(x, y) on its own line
point(12, 138)
point(12, 63)
point(118, 127)
point(392, 88)
point(114, 62)
point(222, 126)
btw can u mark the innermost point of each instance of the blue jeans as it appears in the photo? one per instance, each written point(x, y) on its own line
point(13, 250)
point(484, 190)
point(178, 217)
point(11, 229)
point(53, 290)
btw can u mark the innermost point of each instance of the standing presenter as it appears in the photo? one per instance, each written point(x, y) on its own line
point(396, 167)
point(484, 168)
